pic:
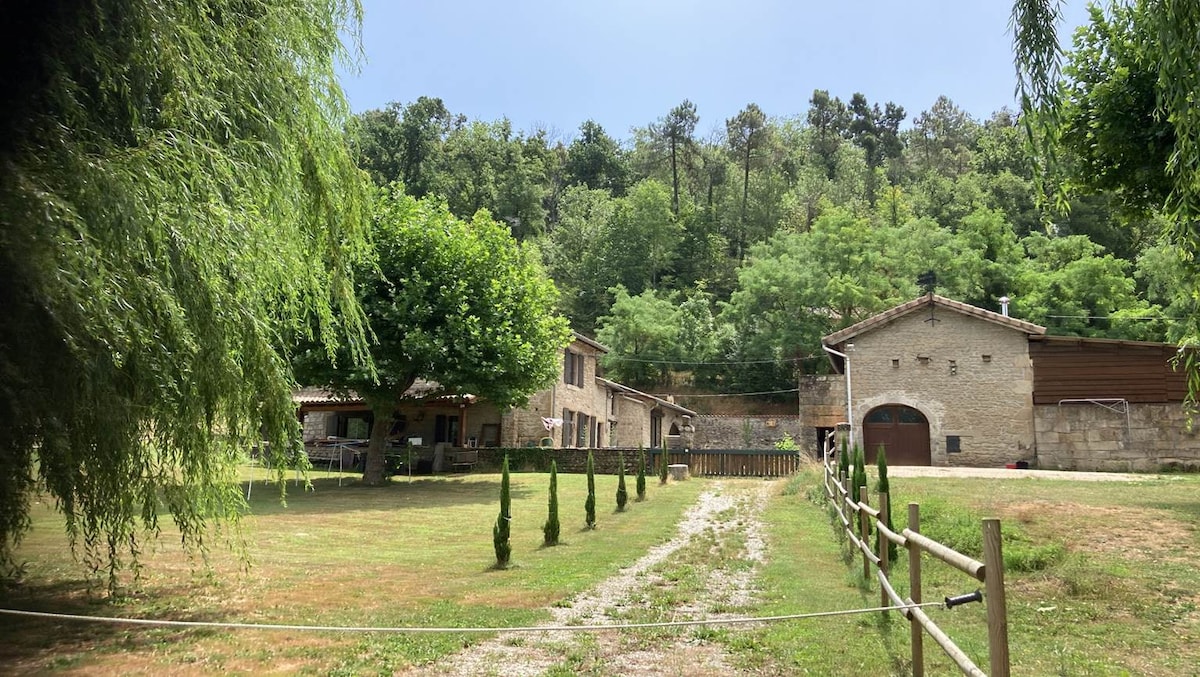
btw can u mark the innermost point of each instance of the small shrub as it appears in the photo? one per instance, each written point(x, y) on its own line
point(641, 476)
point(786, 443)
point(500, 532)
point(589, 506)
point(622, 493)
point(551, 529)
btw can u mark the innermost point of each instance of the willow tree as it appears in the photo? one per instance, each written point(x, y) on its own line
point(459, 303)
point(176, 202)
point(1124, 119)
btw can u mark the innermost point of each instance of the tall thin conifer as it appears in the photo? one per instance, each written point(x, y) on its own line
point(552, 528)
point(500, 532)
point(641, 476)
point(589, 506)
point(622, 493)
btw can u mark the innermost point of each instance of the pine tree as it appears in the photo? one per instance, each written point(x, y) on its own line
point(552, 528)
point(882, 487)
point(622, 494)
point(500, 532)
point(589, 506)
point(664, 464)
point(641, 476)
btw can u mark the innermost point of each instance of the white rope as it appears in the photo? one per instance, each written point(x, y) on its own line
point(417, 630)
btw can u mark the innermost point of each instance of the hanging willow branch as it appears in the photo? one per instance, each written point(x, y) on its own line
point(176, 206)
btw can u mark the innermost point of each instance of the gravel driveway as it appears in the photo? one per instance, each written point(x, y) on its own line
point(1007, 474)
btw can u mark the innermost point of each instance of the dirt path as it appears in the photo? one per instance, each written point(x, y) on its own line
point(719, 542)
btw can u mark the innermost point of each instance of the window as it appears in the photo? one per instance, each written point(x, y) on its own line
point(881, 415)
point(953, 444)
point(573, 368)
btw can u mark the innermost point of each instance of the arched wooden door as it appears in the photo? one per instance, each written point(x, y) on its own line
point(903, 432)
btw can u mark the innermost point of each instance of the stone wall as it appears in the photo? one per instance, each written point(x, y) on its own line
point(822, 406)
point(969, 377)
point(750, 432)
point(1086, 436)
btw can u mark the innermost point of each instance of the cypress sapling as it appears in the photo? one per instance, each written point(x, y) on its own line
point(622, 493)
point(589, 506)
point(500, 532)
point(641, 476)
point(882, 487)
point(552, 528)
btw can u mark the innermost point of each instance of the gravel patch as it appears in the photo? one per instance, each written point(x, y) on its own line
point(724, 510)
point(1011, 473)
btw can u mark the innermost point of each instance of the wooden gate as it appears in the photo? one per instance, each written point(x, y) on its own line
point(737, 462)
point(902, 431)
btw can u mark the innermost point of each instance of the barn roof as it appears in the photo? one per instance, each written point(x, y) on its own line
point(917, 304)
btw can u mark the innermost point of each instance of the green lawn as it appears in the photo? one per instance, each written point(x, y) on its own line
point(409, 554)
point(1103, 578)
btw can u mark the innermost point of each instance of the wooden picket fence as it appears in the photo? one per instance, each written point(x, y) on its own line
point(736, 462)
point(857, 517)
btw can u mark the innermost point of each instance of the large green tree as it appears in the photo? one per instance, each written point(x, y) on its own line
point(460, 303)
point(176, 199)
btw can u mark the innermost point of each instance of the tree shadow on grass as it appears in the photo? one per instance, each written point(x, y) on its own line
point(326, 496)
point(36, 645)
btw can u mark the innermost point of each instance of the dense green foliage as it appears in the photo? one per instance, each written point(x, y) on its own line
point(552, 529)
point(176, 202)
point(460, 303)
point(622, 492)
point(1119, 119)
point(589, 504)
point(721, 261)
point(502, 529)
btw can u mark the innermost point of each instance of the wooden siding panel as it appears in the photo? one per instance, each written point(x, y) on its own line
point(1081, 369)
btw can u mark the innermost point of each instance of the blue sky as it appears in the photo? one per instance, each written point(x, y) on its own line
point(626, 63)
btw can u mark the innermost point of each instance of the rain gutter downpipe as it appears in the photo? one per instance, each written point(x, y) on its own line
point(849, 400)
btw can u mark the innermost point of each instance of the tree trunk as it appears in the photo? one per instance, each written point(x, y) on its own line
point(374, 468)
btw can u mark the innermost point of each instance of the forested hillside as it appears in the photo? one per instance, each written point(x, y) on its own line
point(724, 249)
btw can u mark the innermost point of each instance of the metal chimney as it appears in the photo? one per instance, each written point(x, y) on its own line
point(1004, 305)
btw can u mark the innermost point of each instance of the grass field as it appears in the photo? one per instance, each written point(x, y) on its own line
point(1101, 579)
point(409, 554)
point(1104, 579)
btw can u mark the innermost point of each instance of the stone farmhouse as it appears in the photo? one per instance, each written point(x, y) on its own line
point(580, 410)
point(939, 382)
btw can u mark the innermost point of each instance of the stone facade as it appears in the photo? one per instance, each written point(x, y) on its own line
point(1117, 437)
point(524, 426)
point(609, 413)
point(970, 376)
point(822, 407)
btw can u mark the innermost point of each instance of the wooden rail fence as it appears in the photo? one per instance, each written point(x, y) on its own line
point(857, 517)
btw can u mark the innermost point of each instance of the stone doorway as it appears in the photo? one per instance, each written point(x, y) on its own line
point(902, 431)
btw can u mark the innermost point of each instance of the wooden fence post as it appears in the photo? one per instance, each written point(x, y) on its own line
point(997, 607)
point(914, 592)
point(882, 547)
point(864, 533)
